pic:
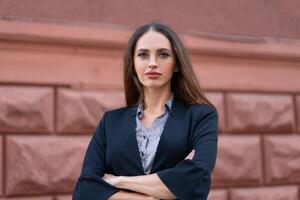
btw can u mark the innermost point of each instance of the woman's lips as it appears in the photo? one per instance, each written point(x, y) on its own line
point(152, 75)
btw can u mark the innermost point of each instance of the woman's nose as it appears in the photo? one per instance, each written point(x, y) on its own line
point(152, 66)
point(152, 62)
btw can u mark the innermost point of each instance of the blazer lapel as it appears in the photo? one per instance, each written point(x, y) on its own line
point(166, 134)
point(175, 109)
point(132, 126)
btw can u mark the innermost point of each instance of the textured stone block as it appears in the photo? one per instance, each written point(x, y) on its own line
point(218, 195)
point(1, 164)
point(238, 162)
point(218, 100)
point(263, 113)
point(298, 112)
point(43, 164)
point(81, 111)
point(282, 155)
point(28, 198)
point(26, 109)
point(64, 197)
point(265, 193)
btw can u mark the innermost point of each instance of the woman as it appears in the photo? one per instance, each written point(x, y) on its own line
point(163, 144)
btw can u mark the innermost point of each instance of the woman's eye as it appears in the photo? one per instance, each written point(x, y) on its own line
point(164, 55)
point(141, 55)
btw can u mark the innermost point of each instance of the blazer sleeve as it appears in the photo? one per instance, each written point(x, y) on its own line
point(191, 179)
point(90, 185)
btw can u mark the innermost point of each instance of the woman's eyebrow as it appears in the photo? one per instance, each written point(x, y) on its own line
point(160, 49)
point(147, 50)
point(142, 49)
point(164, 49)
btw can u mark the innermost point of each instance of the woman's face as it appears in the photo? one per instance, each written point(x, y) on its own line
point(154, 60)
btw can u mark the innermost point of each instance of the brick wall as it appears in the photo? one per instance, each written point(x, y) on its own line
point(248, 18)
point(55, 86)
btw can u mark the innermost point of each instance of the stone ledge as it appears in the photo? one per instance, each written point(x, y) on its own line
point(103, 36)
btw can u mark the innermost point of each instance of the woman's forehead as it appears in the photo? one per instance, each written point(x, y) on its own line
point(153, 40)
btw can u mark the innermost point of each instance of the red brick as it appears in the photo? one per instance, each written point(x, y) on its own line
point(43, 164)
point(265, 193)
point(238, 162)
point(218, 195)
point(282, 155)
point(218, 100)
point(298, 112)
point(263, 113)
point(80, 111)
point(26, 109)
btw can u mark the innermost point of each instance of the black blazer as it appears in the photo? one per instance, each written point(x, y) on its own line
point(113, 149)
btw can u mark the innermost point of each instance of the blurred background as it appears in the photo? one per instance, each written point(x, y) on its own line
point(61, 68)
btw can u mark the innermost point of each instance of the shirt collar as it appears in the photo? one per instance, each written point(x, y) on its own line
point(168, 105)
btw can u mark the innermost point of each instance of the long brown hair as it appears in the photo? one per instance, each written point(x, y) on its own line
point(184, 83)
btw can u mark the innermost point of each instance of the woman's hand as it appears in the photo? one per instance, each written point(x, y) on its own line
point(111, 179)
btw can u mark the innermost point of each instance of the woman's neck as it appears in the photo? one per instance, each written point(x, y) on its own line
point(155, 100)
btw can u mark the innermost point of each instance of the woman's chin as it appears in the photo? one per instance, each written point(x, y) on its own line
point(154, 86)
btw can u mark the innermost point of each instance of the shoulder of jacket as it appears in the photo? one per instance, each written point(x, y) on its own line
point(202, 109)
point(117, 111)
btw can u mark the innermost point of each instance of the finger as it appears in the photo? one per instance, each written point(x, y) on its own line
point(104, 176)
point(191, 155)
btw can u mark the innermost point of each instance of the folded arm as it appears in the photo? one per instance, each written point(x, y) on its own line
point(189, 179)
point(150, 185)
point(147, 184)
